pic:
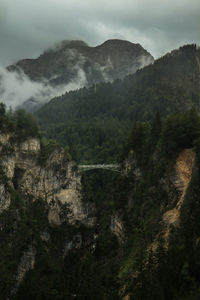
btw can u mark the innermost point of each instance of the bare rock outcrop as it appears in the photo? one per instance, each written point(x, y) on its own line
point(180, 179)
point(58, 182)
point(117, 228)
point(26, 264)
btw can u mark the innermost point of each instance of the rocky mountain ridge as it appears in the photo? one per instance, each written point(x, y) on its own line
point(57, 183)
point(107, 62)
point(69, 65)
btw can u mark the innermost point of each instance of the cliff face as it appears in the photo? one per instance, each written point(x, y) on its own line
point(57, 183)
point(26, 184)
point(156, 219)
point(180, 179)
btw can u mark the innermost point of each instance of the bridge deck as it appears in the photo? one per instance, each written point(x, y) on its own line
point(113, 167)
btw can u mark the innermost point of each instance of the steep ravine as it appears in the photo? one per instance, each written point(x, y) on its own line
point(66, 235)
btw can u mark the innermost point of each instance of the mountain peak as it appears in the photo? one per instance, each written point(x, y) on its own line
point(73, 64)
point(67, 44)
point(118, 43)
point(111, 60)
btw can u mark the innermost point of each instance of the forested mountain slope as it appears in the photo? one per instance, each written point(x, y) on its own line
point(158, 202)
point(95, 122)
point(132, 234)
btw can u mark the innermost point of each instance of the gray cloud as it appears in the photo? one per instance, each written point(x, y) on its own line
point(27, 27)
point(16, 88)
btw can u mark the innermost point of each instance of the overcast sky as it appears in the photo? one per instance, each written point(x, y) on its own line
point(27, 27)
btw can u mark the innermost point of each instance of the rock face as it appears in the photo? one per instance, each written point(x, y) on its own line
point(75, 243)
point(176, 185)
point(26, 264)
point(181, 180)
point(5, 198)
point(54, 182)
point(117, 228)
point(71, 60)
point(57, 182)
point(130, 166)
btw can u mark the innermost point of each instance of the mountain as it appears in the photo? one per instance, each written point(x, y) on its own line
point(62, 63)
point(98, 120)
point(70, 65)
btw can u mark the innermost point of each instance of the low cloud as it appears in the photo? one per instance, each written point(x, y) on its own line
point(16, 88)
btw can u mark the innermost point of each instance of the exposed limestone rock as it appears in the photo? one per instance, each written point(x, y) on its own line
point(75, 243)
point(26, 264)
point(45, 236)
point(32, 145)
point(70, 197)
point(4, 198)
point(58, 182)
point(117, 228)
point(127, 297)
point(183, 174)
point(54, 217)
point(21, 157)
point(130, 165)
point(179, 180)
point(4, 139)
point(8, 165)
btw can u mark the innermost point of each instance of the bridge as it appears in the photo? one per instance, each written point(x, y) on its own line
point(113, 167)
